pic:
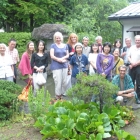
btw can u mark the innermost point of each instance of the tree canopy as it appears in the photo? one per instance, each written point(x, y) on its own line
point(85, 17)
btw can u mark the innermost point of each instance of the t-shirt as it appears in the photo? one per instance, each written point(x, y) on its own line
point(134, 53)
point(104, 63)
point(79, 64)
point(59, 52)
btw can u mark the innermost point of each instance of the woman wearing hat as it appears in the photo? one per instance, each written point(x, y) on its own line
point(78, 62)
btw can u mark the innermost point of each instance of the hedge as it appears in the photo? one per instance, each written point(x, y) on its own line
point(22, 38)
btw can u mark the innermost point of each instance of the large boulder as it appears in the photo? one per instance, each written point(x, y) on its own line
point(46, 31)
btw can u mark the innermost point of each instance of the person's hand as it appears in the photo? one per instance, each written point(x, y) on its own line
point(103, 74)
point(130, 66)
point(30, 77)
point(71, 53)
point(120, 93)
point(123, 54)
point(130, 94)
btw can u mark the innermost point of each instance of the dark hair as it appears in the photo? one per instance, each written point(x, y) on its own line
point(12, 39)
point(40, 41)
point(117, 40)
point(94, 44)
point(107, 44)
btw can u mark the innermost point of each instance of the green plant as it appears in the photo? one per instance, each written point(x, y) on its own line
point(8, 98)
point(93, 85)
point(38, 104)
point(78, 121)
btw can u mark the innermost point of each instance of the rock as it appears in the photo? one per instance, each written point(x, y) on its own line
point(46, 31)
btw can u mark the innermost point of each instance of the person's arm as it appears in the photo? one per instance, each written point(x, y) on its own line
point(12, 67)
point(126, 93)
point(92, 63)
point(99, 65)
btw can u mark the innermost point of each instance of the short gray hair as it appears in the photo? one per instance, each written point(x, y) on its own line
point(122, 66)
point(2, 44)
point(98, 37)
point(137, 36)
point(57, 34)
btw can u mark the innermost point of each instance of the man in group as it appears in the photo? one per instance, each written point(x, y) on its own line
point(14, 54)
point(126, 94)
point(125, 52)
point(86, 48)
point(134, 67)
point(98, 40)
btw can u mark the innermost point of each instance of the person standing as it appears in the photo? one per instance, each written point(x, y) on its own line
point(6, 65)
point(98, 40)
point(125, 52)
point(92, 58)
point(11, 50)
point(78, 62)
point(105, 61)
point(59, 54)
point(134, 67)
point(39, 62)
point(86, 48)
point(24, 66)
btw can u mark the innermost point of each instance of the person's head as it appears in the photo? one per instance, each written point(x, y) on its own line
point(116, 52)
point(98, 40)
point(78, 48)
point(30, 47)
point(122, 71)
point(85, 41)
point(41, 46)
point(73, 39)
point(94, 48)
point(2, 48)
point(137, 40)
point(12, 44)
point(128, 41)
point(117, 43)
point(107, 47)
point(58, 37)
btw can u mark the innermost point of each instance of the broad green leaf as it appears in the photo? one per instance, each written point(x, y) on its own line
point(121, 123)
point(91, 137)
point(106, 135)
point(100, 129)
point(70, 124)
point(61, 110)
point(82, 137)
point(99, 136)
point(79, 126)
point(108, 128)
point(65, 133)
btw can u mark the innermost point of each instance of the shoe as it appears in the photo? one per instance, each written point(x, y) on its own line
point(138, 101)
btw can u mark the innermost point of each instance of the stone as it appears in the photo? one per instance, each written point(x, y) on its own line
point(46, 31)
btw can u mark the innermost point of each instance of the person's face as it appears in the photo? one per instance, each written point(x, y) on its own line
point(116, 53)
point(73, 39)
point(2, 49)
point(118, 44)
point(95, 48)
point(99, 41)
point(41, 46)
point(78, 50)
point(128, 42)
point(31, 46)
point(58, 39)
point(85, 42)
point(122, 72)
point(137, 41)
point(106, 49)
point(12, 45)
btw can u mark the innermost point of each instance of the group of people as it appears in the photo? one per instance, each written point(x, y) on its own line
point(116, 63)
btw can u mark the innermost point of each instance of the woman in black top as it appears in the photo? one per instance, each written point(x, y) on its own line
point(39, 62)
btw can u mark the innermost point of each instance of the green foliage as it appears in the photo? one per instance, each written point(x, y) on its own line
point(8, 98)
point(21, 38)
point(93, 85)
point(78, 120)
point(38, 104)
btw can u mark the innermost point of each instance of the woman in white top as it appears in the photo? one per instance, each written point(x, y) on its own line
point(6, 64)
point(92, 58)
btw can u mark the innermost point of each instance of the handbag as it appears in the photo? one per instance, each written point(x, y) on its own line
point(40, 80)
point(24, 94)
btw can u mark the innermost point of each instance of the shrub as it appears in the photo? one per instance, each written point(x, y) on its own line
point(21, 38)
point(8, 98)
point(38, 104)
